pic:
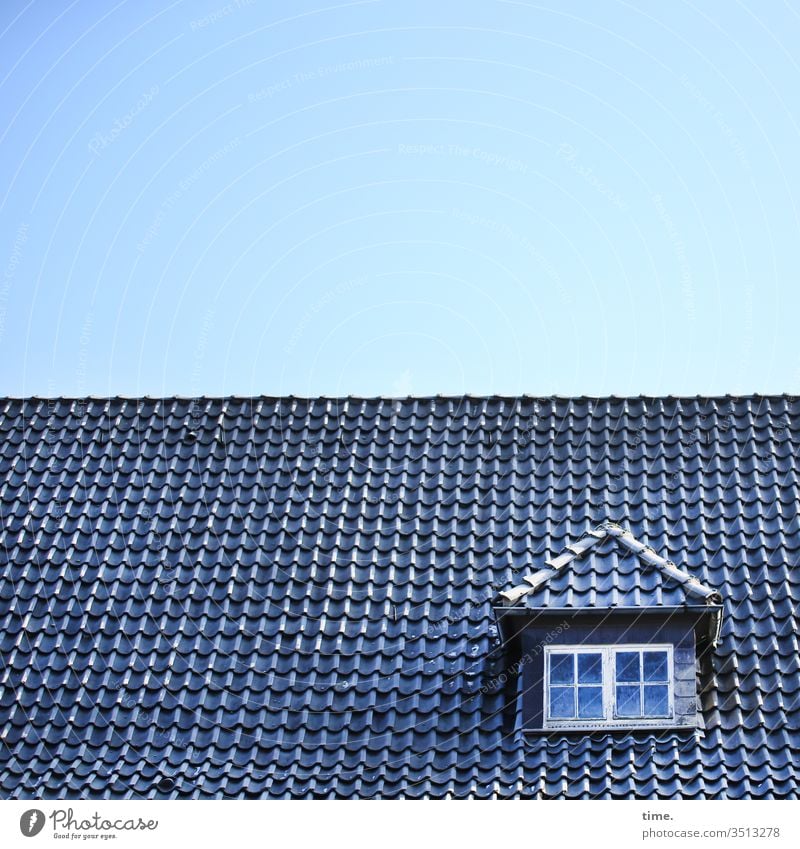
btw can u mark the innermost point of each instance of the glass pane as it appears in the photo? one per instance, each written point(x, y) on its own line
point(590, 702)
point(628, 666)
point(562, 669)
point(656, 700)
point(590, 669)
point(628, 701)
point(655, 666)
point(562, 702)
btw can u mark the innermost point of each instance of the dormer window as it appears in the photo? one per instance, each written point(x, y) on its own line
point(609, 635)
point(608, 685)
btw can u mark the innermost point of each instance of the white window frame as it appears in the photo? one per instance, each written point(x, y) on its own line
point(610, 719)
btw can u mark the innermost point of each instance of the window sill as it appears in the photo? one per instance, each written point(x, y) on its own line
point(688, 723)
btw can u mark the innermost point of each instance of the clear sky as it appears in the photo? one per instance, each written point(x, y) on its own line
point(399, 197)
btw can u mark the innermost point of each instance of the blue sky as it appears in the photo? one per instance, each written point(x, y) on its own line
point(399, 197)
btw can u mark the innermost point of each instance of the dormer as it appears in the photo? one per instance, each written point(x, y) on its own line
point(609, 635)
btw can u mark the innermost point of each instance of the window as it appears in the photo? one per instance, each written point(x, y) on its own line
point(576, 685)
point(608, 685)
point(641, 681)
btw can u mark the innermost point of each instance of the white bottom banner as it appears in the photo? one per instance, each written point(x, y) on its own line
point(351, 825)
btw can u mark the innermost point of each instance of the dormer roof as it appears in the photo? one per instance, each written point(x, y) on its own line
point(609, 567)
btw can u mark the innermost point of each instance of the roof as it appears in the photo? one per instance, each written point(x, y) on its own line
point(606, 568)
point(282, 597)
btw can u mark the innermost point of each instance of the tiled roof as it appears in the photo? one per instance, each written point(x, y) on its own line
point(286, 597)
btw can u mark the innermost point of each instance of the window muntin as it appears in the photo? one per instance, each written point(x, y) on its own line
point(608, 685)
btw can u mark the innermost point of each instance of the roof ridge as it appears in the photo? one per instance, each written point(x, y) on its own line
point(429, 397)
point(646, 552)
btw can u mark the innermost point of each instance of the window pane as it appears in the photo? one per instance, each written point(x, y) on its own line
point(656, 700)
point(590, 702)
point(562, 702)
point(590, 669)
point(628, 666)
point(562, 669)
point(628, 701)
point(655, 666)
